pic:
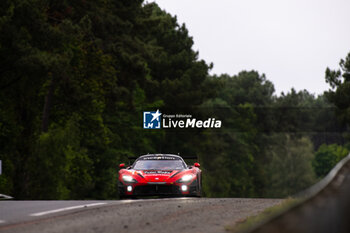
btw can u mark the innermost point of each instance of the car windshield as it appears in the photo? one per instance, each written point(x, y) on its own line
point(159, 165)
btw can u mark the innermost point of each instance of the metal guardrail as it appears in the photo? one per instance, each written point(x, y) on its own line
point(325, 207)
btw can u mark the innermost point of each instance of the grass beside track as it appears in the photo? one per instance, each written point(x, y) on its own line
point(246, 224)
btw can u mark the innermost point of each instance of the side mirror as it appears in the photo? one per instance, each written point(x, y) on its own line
point(197, 165)
point(122, 165)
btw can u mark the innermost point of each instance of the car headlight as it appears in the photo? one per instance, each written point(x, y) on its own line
point(128, 179)
point(185, 178)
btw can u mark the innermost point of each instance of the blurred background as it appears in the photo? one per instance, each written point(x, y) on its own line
point(76, 76)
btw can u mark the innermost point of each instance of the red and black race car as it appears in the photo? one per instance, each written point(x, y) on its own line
point(158, 175)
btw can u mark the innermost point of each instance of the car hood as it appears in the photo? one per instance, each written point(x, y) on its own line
point(157, 175)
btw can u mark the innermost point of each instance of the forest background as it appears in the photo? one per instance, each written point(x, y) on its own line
point(76, 76)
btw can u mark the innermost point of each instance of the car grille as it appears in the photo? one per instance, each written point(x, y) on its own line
point(152, 189)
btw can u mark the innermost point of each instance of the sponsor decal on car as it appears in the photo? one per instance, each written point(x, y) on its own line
point(159, 158)
point(157, 172)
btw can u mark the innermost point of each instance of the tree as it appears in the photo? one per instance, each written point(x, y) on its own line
point(232, 156)
point(289, 166)
point(76, 76)
point(84, 71)
point(339, 94)
point(326, 157)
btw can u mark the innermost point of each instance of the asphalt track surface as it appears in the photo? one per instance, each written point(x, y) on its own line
point(142, 215)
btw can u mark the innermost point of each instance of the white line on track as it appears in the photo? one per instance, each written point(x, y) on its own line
point(2, 221)
point(66, 209)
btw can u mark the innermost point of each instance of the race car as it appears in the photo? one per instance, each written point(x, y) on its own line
point(159, 175)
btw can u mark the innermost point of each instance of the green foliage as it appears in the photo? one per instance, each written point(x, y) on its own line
point(339, 95)
point(289, 169)
point(75, 77)
point(231, 156)
point(326, 157)
point(60, 167)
